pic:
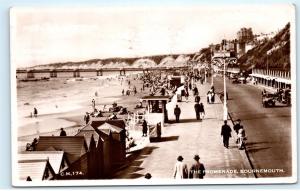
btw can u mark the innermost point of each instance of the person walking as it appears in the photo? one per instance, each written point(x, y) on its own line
point(226, 133)
point(212, 97)
point(197, 171)
point(202, 80)
point(35, 112)
point(163, 91)
point(202, 111)
point(87, 118)
point(195, 90)
point(197, 98)
point(241, 138)
point(180, 169)
point(145, 128)
point(62, 132)
point(94, 104)
point(212, 88)
point(177, 112)
point(197, 110)
point(209, 96)
point(186, 95)
point(237, 126)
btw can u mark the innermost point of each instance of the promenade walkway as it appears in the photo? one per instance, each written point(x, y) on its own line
point(187, 138)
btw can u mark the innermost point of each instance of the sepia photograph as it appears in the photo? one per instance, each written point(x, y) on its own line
point(153, 95)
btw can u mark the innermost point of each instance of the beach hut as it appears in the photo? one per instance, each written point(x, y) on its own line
point(35, 170)
point(113, 134)
point(95, 146)
point(77, 152)
point(57, 159)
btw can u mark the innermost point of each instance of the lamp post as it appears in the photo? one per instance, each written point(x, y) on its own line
point(212, 77)
point(224, 59)
point(213, 62)
point(225, 91)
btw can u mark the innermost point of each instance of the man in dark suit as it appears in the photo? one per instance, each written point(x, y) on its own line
point(197, 170)
point(177, 112)
point(145, 128)
point(197, 98)
point(197, 110)
point(62, 132)
point(226, 133)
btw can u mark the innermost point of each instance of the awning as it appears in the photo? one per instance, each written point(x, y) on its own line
point(282, 80)
point(263, 76)
point(233, 71)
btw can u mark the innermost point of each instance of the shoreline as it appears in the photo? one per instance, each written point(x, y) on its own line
point(75, 118)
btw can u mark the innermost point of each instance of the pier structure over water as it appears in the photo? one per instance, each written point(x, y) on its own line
point(87, 72)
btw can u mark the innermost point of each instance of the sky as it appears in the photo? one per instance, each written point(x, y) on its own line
point(48, 35)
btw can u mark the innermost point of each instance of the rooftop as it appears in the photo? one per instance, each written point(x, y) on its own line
point(117, 122)
point(73, 146)
point(35, 169)
point(88, 132)
point(55, 157)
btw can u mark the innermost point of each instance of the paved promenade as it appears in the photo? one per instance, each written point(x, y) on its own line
point(187, 138)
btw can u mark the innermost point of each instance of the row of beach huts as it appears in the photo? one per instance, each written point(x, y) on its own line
point(95, 152)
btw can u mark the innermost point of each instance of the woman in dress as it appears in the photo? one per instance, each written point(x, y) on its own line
point(180, 169)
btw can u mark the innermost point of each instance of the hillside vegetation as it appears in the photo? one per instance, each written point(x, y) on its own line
point(271, 53)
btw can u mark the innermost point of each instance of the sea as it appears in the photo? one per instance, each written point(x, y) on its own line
point(57, 96)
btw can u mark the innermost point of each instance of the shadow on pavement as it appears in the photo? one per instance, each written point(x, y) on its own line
point(233, 147)
point(135, 175)
point(254, 150)
point(256, 143)
point(165, 139)
point(185, 121)
point(135, 160)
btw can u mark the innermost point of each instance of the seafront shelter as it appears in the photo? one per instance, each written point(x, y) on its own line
point(272, 78)
point(156, 109)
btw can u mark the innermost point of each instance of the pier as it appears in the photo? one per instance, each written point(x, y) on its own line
point(87, 72)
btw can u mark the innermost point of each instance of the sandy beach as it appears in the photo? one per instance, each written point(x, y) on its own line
point(62, 103)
